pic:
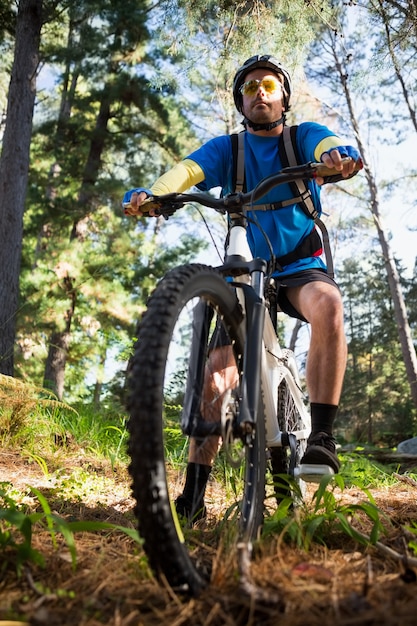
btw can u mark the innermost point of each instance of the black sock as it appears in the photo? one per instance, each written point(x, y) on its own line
point(195, 482)
point(322, 417)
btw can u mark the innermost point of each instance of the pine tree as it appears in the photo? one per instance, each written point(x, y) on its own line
point(14, 168)
point(107, 108)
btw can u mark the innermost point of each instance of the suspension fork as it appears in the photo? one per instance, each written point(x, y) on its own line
point(255, 308)
point(249, 275)
point(191, 421)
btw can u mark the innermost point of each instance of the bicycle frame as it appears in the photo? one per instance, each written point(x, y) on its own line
point(276, 363)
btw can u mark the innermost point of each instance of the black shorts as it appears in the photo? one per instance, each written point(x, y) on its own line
point(220, 337)
point(296, 280)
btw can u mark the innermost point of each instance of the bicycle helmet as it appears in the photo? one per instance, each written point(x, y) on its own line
point(267, 62)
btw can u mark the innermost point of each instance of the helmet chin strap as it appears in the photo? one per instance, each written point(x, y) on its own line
point(246, 122)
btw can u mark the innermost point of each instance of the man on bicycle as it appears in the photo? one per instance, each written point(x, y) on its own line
point(262, 92)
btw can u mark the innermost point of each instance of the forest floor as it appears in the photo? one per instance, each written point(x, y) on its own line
point(343, 583)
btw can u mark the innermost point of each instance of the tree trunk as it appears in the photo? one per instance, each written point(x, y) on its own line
point(294, 335)
point(406, 342)
point(54, 376)
point(408, 97)
point(98, 387)
point(14, 168)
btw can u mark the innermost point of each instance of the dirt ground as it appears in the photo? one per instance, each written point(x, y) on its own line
point(342, 584)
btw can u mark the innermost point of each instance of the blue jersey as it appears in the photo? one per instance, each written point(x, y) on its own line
point(286, 227)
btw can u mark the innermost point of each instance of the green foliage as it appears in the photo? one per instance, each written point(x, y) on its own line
point(376, 397)
point(176, 447)
point(325, 518)
point(17, 527)
point(236, 29)
point(20, 401)
point(41, 426)
point(40, 437)
point(119, 113)
point(412, 543)
point(85, 267)
point(210, 40)
point(360, 472)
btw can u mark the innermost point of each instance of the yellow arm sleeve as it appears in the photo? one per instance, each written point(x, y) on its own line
point(325, 145)
point(180, 178)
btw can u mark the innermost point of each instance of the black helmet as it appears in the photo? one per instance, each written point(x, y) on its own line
point(267, 62)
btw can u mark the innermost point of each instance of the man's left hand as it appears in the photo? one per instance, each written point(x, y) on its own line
point(334, 160)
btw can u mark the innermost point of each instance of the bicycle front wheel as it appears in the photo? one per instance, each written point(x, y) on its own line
point(185, 390)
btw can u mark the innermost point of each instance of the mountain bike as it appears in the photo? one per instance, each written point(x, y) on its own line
point(179, 390)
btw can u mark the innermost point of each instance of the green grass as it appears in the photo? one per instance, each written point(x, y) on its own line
point(45, 432)
point(43, 429)
point(360, 471)
point(327, 516)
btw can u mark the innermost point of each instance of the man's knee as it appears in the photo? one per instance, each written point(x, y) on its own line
point(330, 304)
point(321, 303)
point(221, 358)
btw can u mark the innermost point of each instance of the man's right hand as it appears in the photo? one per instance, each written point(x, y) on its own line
point(137, 202)
point(132, 203)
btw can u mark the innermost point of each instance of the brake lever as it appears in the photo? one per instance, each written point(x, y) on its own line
point(167, 208)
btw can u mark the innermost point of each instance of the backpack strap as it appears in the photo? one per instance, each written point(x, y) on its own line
point(289, 156)
point(326, 246)
point(238, 151)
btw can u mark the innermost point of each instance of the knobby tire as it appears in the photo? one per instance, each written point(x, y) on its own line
point(175, 343)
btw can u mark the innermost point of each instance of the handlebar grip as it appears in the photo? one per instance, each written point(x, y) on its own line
point(331, 174)
point(144, 208)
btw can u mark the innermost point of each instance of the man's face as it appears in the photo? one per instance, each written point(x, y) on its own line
point(263, 106)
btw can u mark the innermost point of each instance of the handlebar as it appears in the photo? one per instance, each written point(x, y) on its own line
point(168, 204)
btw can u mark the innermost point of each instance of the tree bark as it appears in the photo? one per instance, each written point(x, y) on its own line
point(54, 376)
point(14, 168)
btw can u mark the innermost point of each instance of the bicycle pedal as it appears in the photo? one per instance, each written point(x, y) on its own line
point(312, 473)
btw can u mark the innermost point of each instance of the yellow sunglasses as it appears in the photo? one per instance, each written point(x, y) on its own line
point(250, 88)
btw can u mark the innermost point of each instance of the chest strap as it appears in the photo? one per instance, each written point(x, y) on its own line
point(275, 205)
